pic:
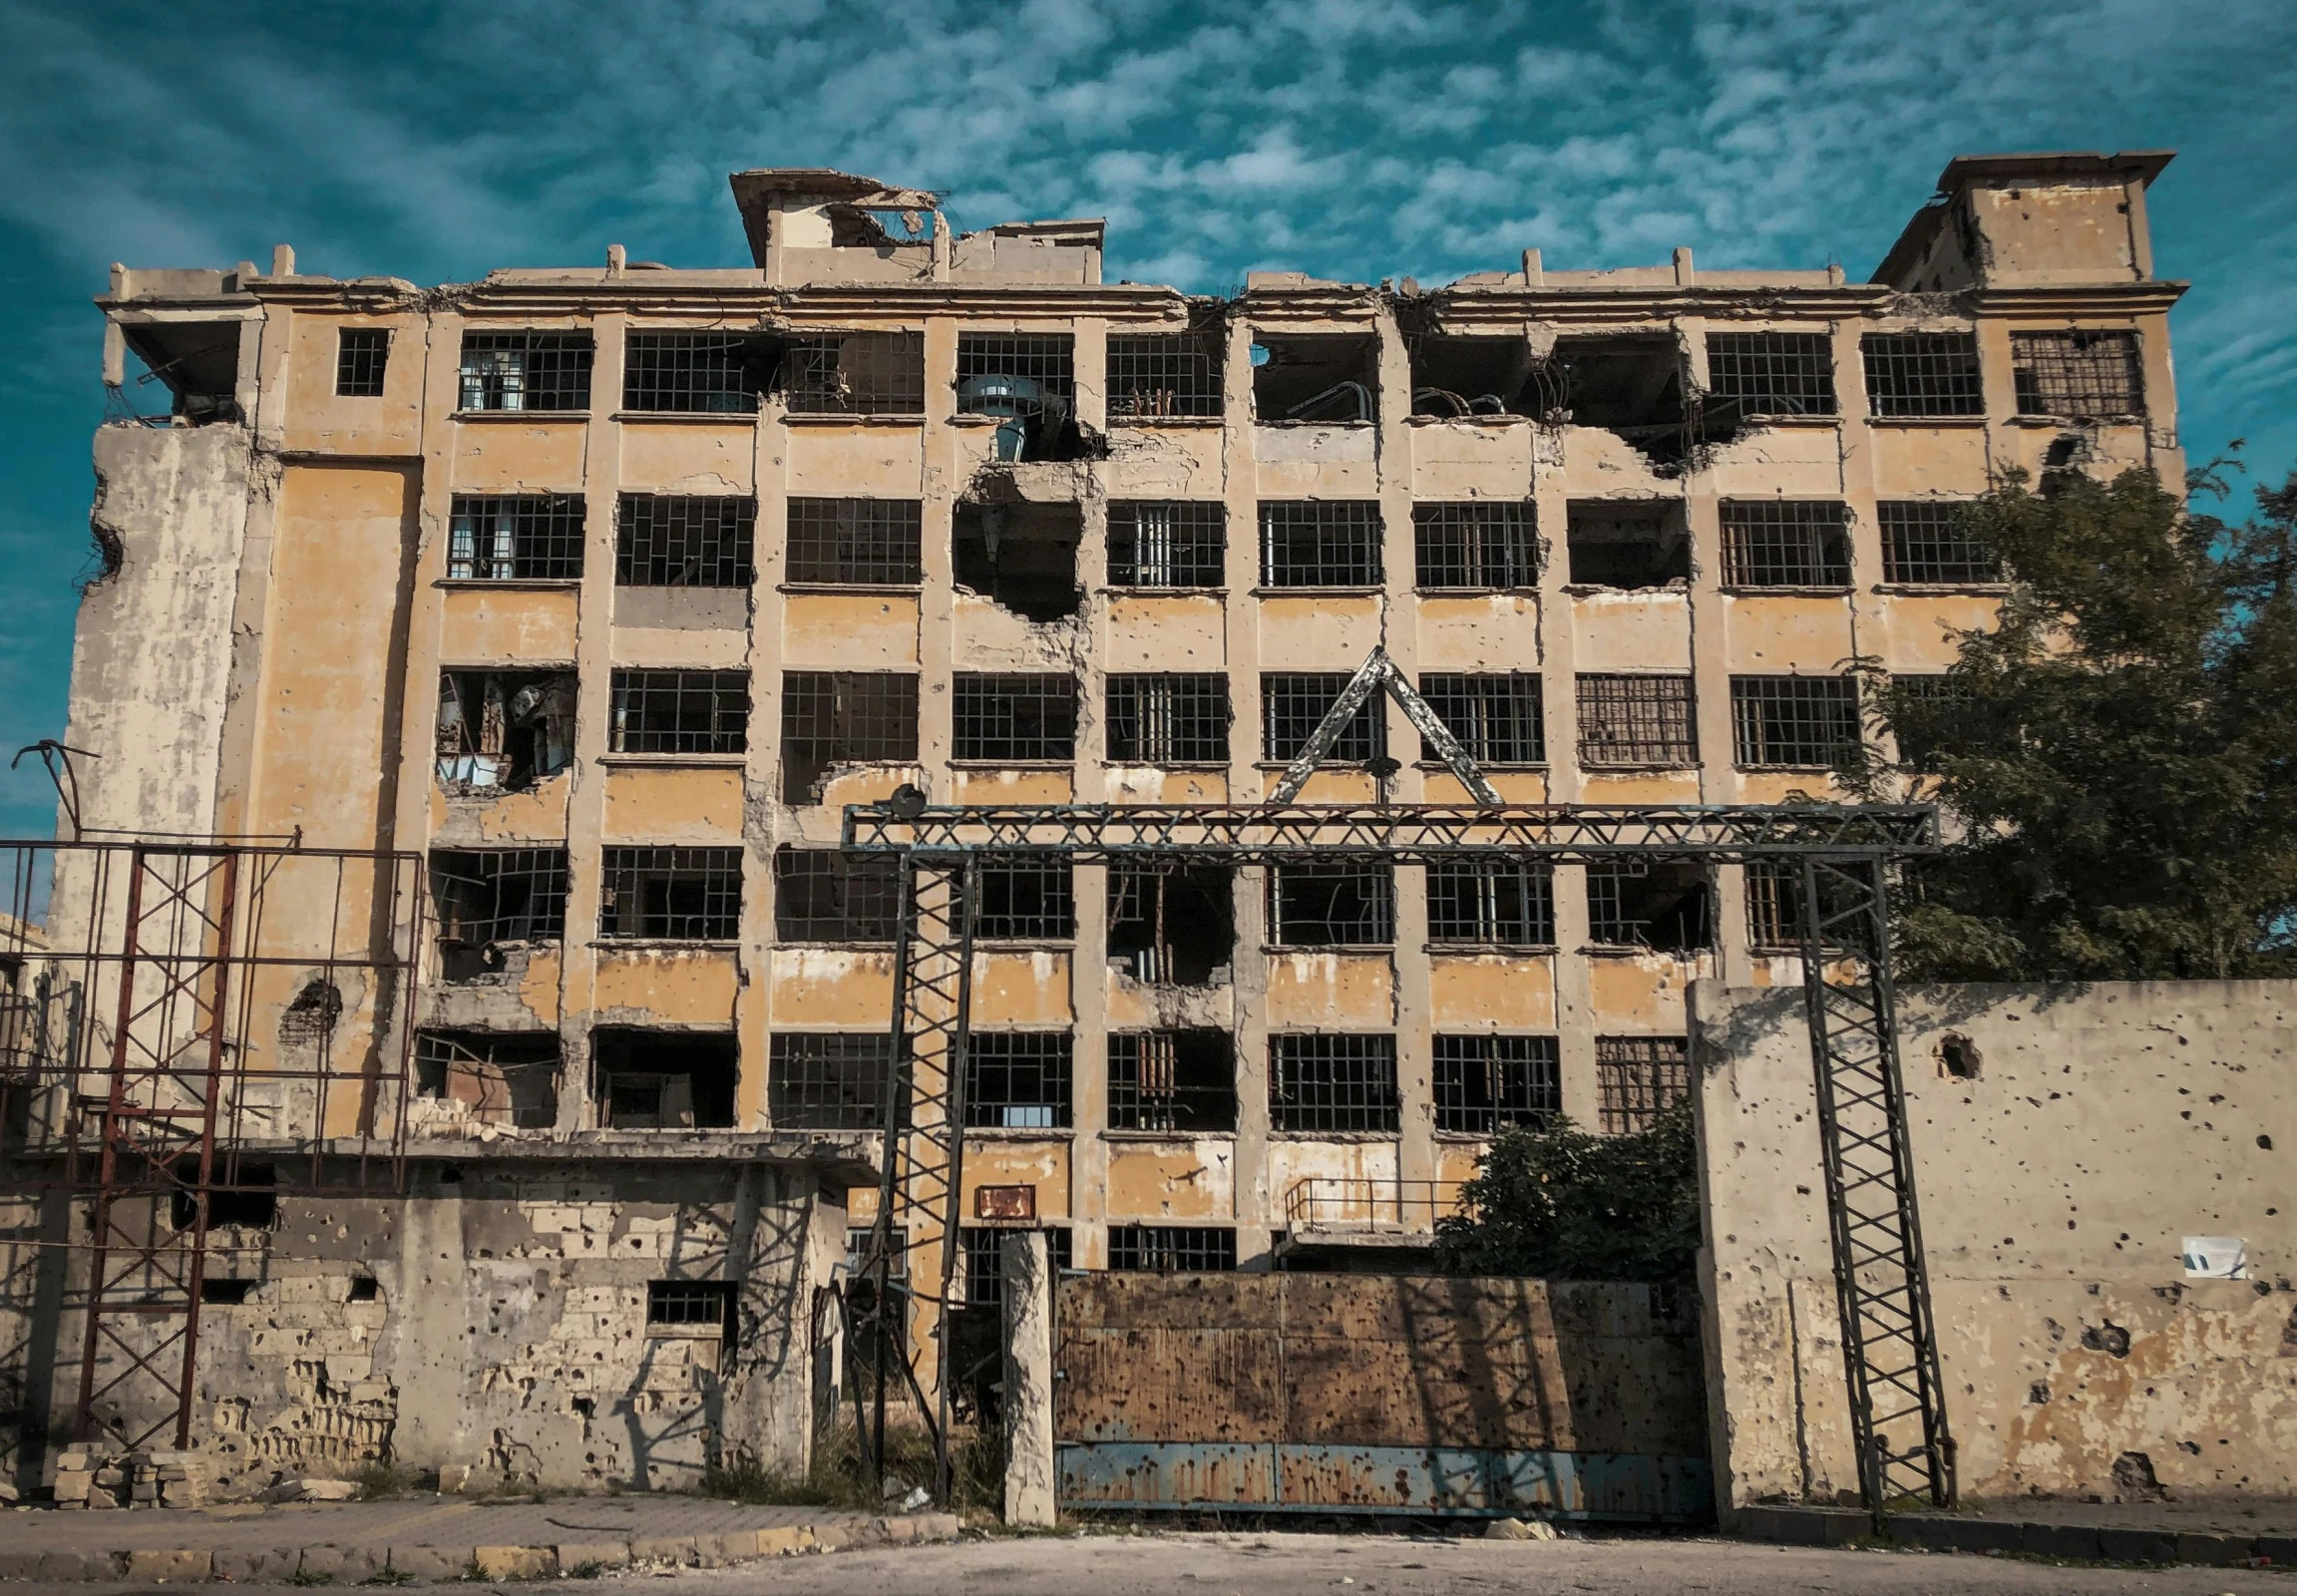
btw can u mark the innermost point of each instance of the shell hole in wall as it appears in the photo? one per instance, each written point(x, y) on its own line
point(1956, 1058)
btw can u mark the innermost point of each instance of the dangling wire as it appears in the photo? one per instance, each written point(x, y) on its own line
point(58, 758)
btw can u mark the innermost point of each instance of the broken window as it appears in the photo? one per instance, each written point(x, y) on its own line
point(1164, 374)
point(495, 1077)
point(2080, 376)
point(1767, 374)
point(1626, 721)
point(1637, 1078)
point(855, 542)
point(361, 354)
point(696, 373)
point(832, 718)
point(1172, 1249)
point(1665, 904)
point(1774, 916)
point(693, 1307)
point(1167, 545)
point(1025, 900)
point(985, 1259)
point(1294, 703)
point(1496, 718)
point(489, 896)
point(1172, 924)
point(1018, 1079)
point(680, 713)
point(822, 894)
point(1332, 1083)
point(1320, 543)
point(1493, 903)
point(1805, 722)
point(1627, 543)
point(1179, 1081)
point(1168, 720)
point(1316, 376)
point(1486, 1084)
point(514, 538)
point(828, 1080)
point(199, 361)
point(1784, 543)
point(1014, 719)
point(1024, 556)
point(1029, 382)
point(247, 1198)
point(1923, 374)
point(855, 374)
point(503, 730)
point(672, 894)
point(1455, 375)
point(1331, 906)
point(665, 1079)
point(1478, 545)
point(1933, 541)
point(527, 371)
point(1631, 386)
point(666, 541)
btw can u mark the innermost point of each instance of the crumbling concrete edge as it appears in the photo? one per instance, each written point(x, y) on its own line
point(1956, 1532)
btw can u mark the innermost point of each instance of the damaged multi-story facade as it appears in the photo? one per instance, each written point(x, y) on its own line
point(606, 589)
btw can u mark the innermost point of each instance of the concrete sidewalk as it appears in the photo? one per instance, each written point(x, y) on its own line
point(429, 1537)
point(2214, 1534)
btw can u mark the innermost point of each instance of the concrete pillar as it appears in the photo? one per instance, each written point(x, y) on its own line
point(1029, 1398)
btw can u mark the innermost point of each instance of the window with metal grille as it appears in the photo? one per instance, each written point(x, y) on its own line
point(1773, 904)
point(1320, 543)
point(525, 371)
point(1923, 713)
point(1172, 1249)
point(1158, 545)
point(985, 1259)
point(2083, 375)
point(676, 893)
point(1331, 906)
point(1505, 903)
point(495, 1077)
point(828, 1081)
point(701, 373)
point(1476, 547)
point(1164, 374)
point(1784, 543)
point(1026, 900)
point(1770, 374)
point(674, 542)
point(855, 374)
point(822, 894)
point(1809, 722)
point(849, 541)
point(1014, 719)
point(1177, 1081)
point(497, 895)
point(1029, 382)
point(1292, 704)
point(1638, 1079)
point(691, 1304)
point(1934, 541)
point(1923, 374)
point(1019, 1079)
point(1168, 720)
point(503, 730)
point(362, 353)
point(1496, 718)
point(1636, 720)
point(1332, 1083)
point(832, 718)
point(1665, 904)
point(514, 538)
point(680, 713)
point(1484, 1084)
point(1172, 924)
point(1627, 543)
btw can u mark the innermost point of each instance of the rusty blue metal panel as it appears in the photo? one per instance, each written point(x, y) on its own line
point(1142, 1474)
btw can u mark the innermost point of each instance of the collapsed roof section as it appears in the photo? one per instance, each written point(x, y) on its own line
point(812, 225)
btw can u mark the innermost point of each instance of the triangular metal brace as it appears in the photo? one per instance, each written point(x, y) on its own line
point(1378, 670)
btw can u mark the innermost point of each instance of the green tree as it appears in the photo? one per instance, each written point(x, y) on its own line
point(2117, 757)
point(1560, 1204)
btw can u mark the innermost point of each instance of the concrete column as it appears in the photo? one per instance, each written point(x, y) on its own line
point(1029, 1397)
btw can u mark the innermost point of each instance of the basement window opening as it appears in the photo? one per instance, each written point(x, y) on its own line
point(1019, 1079)
point(2078, 375)
point(1638, 1079)
point(666, 1080)
point(1027, 382)
point(1294, 704)
point(224, 1293)
point(1795, 722)
point(1485, 1085)
point(533, 372)
point(1767, 374)
point(824, 896)
point(985, 1259)
point(1320, 543)
point(199, 361)
point(495, 1077)
point(1321, 377)
point(1014, 719)
point(514, 538)
point(672, 894)
point(1023, 557)
point(245, 1196)
point(1490, 903)
point(361, 356)
point(855, 374)
point(697, 373)
point(1168, 720)
point(1152, 376)
point(1784, 543)
point(1025, 900)
point(1172, 924)
point(1627, 544)
point(1160, 545)
point(503, 730)
point(855, 542)
point(845, 717)
point(1331, 906)
point(1934, 541)
point(1496, 718)
point(1627, 722)
point(487, 897)
point(828, 1080)
point(1172, 1249)
point(1325, 1084)
point(1631, 387)
point(1461, 377)
point(680, 712)
point(1475, 547)
point(1664, 905)
point(1177, 1081)
point(1923, 374)
point(668, 541)
point(691, 1307)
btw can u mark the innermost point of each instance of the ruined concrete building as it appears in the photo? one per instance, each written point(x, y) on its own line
point(606, 589)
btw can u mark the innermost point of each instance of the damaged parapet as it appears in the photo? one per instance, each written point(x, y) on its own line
point(809, 224)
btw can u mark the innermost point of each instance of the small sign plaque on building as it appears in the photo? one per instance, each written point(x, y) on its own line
point(1004, 1202)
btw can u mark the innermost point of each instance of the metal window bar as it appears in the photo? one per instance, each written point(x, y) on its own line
point(1933, 541)
point(1675, 911)
point(494, 895)
point(1292, 704)
point(1172, 1249)
point(1029, 899)
point(1770, 374)
point(1159, 375)
point(1800, 722)
point(1370, 1201)
point(361, 356)
point(680, 713)
point(1923, 374)
point(695, 373)
point(692, 1304)
point(1626, 721)
point(539, 371)
point(833, 719)
point(1150, 1089)
point(1499, 902)
point(1922, 722)
point(1476, 547)
point(672, 894)
point(2080, 374)
point(1320, 543)
point(1325, 1082)
point(1013, 718)
point(985, 1248)
point(1331, 906)
point(1638, 1079)
point(855, 542)
point(827, 1080)
point(507, 1079)
point(1043, 363)
point(824, 896)
point(672, 541)
point(1784, 543)
point(1019, 1079)
point(1498, 720)
point(855, 374)
point(1485, 1085)
point(1168, 720)
point(514, 538)
point(1180, 544)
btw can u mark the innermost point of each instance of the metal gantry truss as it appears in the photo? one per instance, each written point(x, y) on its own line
point(1839, 856)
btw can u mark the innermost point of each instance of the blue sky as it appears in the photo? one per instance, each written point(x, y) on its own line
point(1356, 139)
